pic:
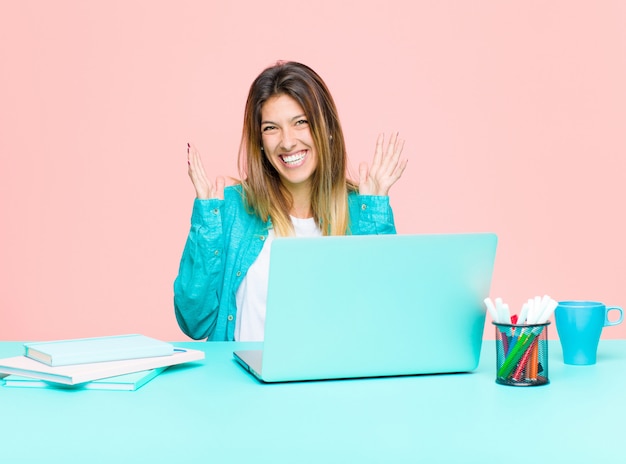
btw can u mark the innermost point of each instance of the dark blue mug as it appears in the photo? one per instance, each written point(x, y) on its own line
point(579, 325)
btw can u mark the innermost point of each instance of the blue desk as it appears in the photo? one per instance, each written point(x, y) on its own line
point(216, 412)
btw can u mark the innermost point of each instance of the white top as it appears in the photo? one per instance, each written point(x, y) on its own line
point(251, 295)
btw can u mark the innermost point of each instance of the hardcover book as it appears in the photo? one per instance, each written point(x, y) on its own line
point(90, 350)
point(125, 382)
point(79, 373)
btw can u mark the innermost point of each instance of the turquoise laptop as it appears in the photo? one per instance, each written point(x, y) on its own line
point(373, 305)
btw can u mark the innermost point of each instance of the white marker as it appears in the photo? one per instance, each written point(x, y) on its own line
point(491, 309)
point(506, 313)
point(501, 312)
point(547, 312)
point(531, 317)
point(523, 314)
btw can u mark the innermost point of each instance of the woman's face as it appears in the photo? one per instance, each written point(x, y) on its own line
point(287, 141)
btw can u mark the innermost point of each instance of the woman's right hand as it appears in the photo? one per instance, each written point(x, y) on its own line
point(204, 188)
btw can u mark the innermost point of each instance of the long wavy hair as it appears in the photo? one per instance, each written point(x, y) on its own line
point(265, 193)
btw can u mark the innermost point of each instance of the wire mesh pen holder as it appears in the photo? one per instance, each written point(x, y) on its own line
point(522, 354)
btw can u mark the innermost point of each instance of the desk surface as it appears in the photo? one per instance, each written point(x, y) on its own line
point(214, 411)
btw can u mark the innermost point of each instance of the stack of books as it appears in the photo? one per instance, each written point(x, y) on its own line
point(121, 362)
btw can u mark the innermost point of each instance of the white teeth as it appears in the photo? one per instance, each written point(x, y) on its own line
point(296, 157)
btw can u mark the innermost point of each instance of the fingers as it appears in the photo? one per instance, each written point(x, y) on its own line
point(203, 187)
point(394, 168)
point(392, 144)
point(394, 150)
point(386, 166)
point(378, 152)
point(386, 162)
point(194, 161)
point(399, 170)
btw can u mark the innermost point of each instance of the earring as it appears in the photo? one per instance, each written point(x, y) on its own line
point(262, 149)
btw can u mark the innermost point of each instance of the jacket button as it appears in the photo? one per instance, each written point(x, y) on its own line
point(230, 317)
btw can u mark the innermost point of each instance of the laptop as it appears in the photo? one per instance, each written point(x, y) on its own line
point(373, 305)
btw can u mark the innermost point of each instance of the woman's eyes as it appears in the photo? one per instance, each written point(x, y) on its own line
point(299, 122)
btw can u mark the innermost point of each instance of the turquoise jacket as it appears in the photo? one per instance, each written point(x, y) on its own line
point(224, 240)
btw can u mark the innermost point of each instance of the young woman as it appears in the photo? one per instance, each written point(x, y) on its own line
point(293, 165)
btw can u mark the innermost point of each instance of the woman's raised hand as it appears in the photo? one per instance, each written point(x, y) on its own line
point(386, 167)
point(204, 188)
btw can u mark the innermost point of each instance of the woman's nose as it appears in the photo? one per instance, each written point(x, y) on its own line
point(288, 140)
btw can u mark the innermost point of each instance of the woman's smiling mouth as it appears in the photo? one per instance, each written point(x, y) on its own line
point(293, 160)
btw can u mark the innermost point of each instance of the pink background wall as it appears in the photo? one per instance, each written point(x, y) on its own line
point(514, 115)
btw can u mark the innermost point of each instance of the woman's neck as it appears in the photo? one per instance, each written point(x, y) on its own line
point(301, 205)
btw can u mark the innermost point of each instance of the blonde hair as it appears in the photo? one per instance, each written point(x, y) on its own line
point(264, 192)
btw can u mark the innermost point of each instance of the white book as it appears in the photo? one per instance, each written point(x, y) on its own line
point(124, 382)
point(79, 373)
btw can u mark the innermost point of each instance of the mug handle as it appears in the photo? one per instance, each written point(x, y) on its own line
point(607, 322)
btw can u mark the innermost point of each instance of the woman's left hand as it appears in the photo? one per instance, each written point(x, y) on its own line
point(386, 167)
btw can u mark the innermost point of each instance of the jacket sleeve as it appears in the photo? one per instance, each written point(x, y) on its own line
point(371, 215)
point(198, 285)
